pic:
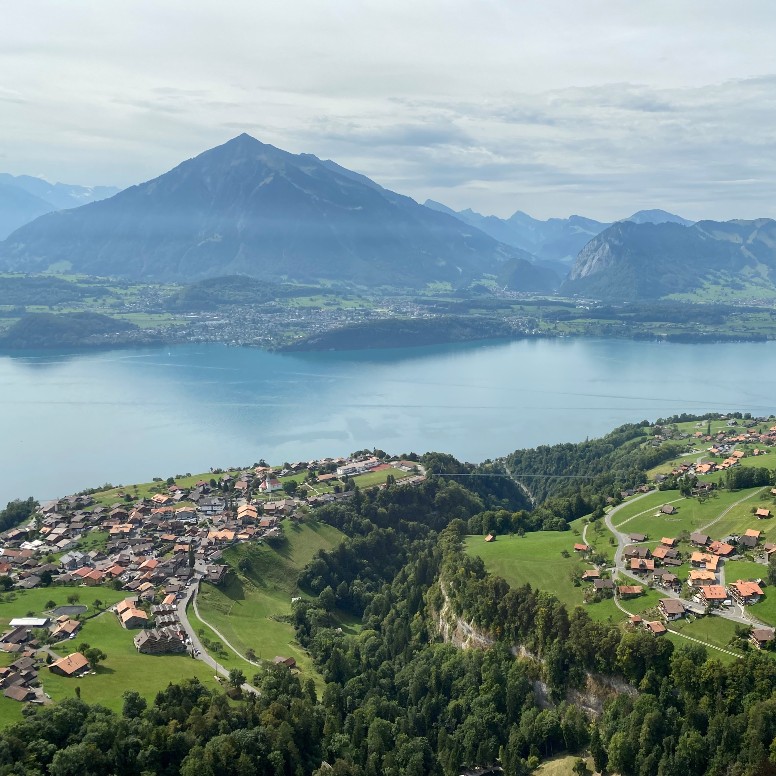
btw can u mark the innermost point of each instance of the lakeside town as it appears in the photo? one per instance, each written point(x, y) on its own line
point(156, 550)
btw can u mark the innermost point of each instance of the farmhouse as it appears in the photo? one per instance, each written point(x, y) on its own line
point(656, 628)
point(288, 662)
point(581, 548)
point(603, 584)
point(72, 665)
point(699, 539)
point(762, 513)
point(668, 509)
point(629, 591)
point(637, 537)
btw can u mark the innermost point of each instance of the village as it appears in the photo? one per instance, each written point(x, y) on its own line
point(155, 550)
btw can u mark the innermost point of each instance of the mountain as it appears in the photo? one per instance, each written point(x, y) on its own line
point(710, 259)
point(658, 217)
point(24, 198)
point(252, 209)
point(556, 241)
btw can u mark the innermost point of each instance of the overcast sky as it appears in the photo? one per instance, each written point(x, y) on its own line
point(597, 107)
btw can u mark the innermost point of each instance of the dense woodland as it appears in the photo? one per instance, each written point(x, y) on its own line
point(399, 701)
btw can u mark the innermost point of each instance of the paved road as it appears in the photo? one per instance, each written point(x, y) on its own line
point(196, 644)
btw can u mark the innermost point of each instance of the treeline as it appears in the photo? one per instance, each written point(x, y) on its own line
point(594, 468)
point(40, 289)
point(52, 330)
point(16, 512)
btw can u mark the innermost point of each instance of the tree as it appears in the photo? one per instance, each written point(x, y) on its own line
point(94, 655)
point(73, 598)
point(290, 487)
point(236, 677)
point(6, 583)
point(134, 704)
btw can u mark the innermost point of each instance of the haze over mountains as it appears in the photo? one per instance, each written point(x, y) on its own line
point(247, 208)
point(250, 208)
point(24, 198)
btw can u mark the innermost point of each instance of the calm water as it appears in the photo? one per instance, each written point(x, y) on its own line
point(74, 421)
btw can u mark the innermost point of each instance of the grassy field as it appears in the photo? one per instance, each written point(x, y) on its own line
point(125, 668)
point(249, 611)
point(26, 601)
point(562, 766)
point(714, 630)
point(643, 515)
point(536, 559)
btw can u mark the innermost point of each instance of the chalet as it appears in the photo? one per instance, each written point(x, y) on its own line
point(637, 537)
point(668, 509)
point(590, 574)
point(637, 552)
point(636, 619)
point(65, 629)
point(159, 641)
point(603, 584)
point(133, 618)
point(750, 538)
point(722, 549)
point(20, 692)
point(656, 628)
point(745, 593)
point(762, 513)
point(581, 548)
point(761, 637)
point(699, 539)
point(629, 591)
point(671, 608)
point(699, 578)
point(667, 541)
point(700, 559)
point(72, 665)
point(641, 566)
point(769, 548)
point(670, 581)
point(490, 538)
point(713, 595)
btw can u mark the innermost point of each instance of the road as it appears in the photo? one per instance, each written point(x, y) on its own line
point(196, 644)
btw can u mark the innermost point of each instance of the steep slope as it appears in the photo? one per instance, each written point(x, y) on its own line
point(657, 216)
point(631, 261)
point(18, 207)
point(24, 198)
point(253, 209)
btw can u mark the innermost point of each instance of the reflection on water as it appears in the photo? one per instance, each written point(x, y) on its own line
point(71, 421)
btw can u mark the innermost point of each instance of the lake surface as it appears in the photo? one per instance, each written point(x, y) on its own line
point(68, 422)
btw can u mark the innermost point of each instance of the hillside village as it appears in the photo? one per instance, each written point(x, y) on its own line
point(157, 549)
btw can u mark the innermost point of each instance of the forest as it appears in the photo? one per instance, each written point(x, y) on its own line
point(398, 699)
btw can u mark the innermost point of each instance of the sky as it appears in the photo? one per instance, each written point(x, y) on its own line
point(552, 107)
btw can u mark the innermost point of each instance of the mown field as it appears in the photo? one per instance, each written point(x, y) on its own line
point(251, 610)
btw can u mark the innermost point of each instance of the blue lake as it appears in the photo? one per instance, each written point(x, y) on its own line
point(68, 422)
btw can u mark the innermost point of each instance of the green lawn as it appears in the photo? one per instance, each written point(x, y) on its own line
point(250, 610)
point(378, 478)
point(643, 516)
point(714, 630)
point(125, 668)
point(744, 569)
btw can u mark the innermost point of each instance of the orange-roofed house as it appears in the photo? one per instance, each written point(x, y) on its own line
point(656, 628)
point(713, 595)
point(667, 541)
point(699, 577)
point(745, 592)
point(581, 548)
point(722, 549)
point(762, 513)
point(629, 591)
point(72, 665)
point(134, 618)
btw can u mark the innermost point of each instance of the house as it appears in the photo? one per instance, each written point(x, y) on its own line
point(581, 548)
point(698, 578)
point(656, 628)
point(289, 662)
point(699, 539)
point(637, 552)
point(668, 509)
point(490, 538)
point(72, 665)
point(159, 641)
point(603, 584)
point(637, 537)
point(133, 618)
point(667, 541)
point(762, 513)
point(761, 637)
point(629, 591)
point(591, 574)
point(641, 566)
point(713, 595)
point(745, 593)
point(671, 608)
point(722, 549)
point(65, 629)
point(749, 539)
point(20, 692)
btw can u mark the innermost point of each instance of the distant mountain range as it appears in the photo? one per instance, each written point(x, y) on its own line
point(557, 241)
point(710, 259)
point(24, 198)
point(252, 209)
